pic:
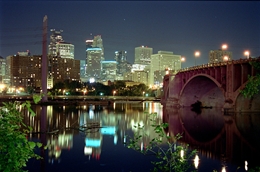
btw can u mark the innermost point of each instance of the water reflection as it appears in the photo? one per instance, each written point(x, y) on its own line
point(224, 142)
point(232, 138)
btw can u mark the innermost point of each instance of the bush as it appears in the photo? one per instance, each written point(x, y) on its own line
point(15, 149)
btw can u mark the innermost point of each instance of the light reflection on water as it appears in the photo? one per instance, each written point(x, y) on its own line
point(92, 138)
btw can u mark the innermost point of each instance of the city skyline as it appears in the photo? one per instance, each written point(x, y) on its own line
point(181, 27)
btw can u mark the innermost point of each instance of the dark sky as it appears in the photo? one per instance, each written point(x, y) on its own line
point(179, 26)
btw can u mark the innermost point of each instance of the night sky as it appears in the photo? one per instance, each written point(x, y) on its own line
point(178, 26)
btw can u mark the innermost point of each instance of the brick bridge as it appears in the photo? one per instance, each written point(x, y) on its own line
point(215, 85)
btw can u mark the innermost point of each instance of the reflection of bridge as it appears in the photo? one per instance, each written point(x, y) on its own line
point(216, 85)
point(214, 135)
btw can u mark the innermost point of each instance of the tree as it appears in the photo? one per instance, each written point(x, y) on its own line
point(15, 149)
point(253, 84)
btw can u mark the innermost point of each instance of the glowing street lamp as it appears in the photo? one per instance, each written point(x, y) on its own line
point(197, 54)
point(183, 59)
point(225, 58)
point(114, 92)
point(143, 93)
point(63, 92)
point(247, 54)
point(224, 47)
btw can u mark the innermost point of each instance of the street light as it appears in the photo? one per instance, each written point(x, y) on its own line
point(224, 46)
point(247, 54)
point(114, 92)
point(143, 93)
point(225, 58)
point(197, 54)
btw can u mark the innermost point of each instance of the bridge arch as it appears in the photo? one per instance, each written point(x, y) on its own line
point(246, 104)
point(204, 88)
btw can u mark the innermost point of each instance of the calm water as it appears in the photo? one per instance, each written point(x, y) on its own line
point(221, 140)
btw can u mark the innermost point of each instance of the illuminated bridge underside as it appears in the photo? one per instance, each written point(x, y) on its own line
point(203, 89)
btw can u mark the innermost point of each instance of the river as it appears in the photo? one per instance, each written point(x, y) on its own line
point(222, 141)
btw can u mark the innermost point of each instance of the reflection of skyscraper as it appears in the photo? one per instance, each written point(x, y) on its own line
point(54, 38)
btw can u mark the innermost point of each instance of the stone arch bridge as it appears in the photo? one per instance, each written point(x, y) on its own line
point(215, 85)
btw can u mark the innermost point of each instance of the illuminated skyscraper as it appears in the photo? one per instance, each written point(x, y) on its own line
point(108, 71)
point(94, 57)
point(65, 50)
point(122, 65)
point(216, 56)
point(143, 55)
point(159, 62)
point(54, 38)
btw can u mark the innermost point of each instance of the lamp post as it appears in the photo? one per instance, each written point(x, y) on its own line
point(197, 54)
point(247, 54)
point(143, 93)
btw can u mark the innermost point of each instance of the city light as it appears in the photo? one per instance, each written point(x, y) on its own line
point(197, 54)
point(247, 54)
point(196, 161)
point(225, 58)
point(224, 46)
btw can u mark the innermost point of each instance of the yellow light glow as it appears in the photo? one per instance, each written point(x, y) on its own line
point(197, 54)
point(224, 46)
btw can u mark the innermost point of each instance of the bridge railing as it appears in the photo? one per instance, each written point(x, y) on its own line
point(219, 64)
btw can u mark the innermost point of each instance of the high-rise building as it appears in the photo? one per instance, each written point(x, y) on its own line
point(159, 63)
point(2, 70)
point(143, 55)
point(83, 70)
point(216, 56)
point(122, 65)
point(140, 76)
point(26, 70)
point(54, 38)
point(65, 50)
point(108, 71)
point(94, 57)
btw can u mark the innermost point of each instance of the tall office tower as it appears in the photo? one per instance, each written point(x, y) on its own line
point(89, 43)
point(140, 76)
point(143, 55)
point(122, 65)
point(98, 43)
point(83, 70)
point(108, 71)
point(216, 56)
point(159, 63)
point(2, 70)
point(54, 38)
point(94, 59)
point(65, 50)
